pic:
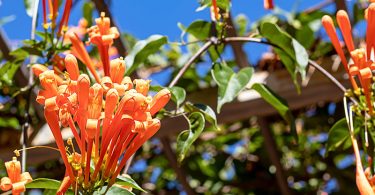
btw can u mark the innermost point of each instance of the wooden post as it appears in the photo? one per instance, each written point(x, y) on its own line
point(274, 155)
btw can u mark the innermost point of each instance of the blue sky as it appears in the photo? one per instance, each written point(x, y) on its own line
point(143, 18)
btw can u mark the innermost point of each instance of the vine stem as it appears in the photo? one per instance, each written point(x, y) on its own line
point(212, 41)
point(26, 125)
point(191, 61)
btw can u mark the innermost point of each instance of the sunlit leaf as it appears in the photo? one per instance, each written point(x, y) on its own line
point(230, 84)
point(88, 8)
point(222, 4)
point(178, 95)
point(7, 72)
point(127, 181)
point(200, 29)
point(142, 50)
point(44, 183)
point(291, 52)
point(114, 190)
point(337, 135)
point(29, 5)
point(207, 111)
point(186, 138)
point(278, 103)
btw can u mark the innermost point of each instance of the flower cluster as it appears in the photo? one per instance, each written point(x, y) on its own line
point(15, 180)
point(362, 58)
point(110, 117)
point(360, 67)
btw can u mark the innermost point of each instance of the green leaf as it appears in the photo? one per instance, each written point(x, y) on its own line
point(278, 103)
point(44, 183)
point(230, 84)
point(29, 5)
point(242, 24)
point(127, 181)
point(207, 111)
point(7, 72)
point(10, 122)
point(178, 95)
point(291, 52)
point(222, 4)
point(114, 190)
point(142, 50)
point(200, 29)
point(186, 138)
point(358, 13)
point(337, 135)
point(88, 8)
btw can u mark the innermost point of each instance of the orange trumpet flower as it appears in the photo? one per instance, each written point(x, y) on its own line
point(268, 4)
point(78, 49)
point(15, 180)
point(363, 63)
point(114, 118)
point(65, 18)
point(102, 36)
point(110, 118)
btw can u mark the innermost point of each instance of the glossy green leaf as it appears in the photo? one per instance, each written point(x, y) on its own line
point(230, 84)
point(127, 181)
point(222, 4)
point(186, 138)
point(7, 72)
point(200, 29)
point(291, 52)
point(29, 6)
point(88, 8)
point(242, 23)
point(337, 135)
point(178, 95)
point(207, 111)
point(10, 122)
point(142, 50)
point(114, 190)
point(44, 183)
point(278, 103)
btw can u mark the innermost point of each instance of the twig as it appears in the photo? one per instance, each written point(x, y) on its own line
point(191, 61)
point(179, 75)
point(26, 125)
point(318, 6)
point(328, 75)
point(248, 39)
